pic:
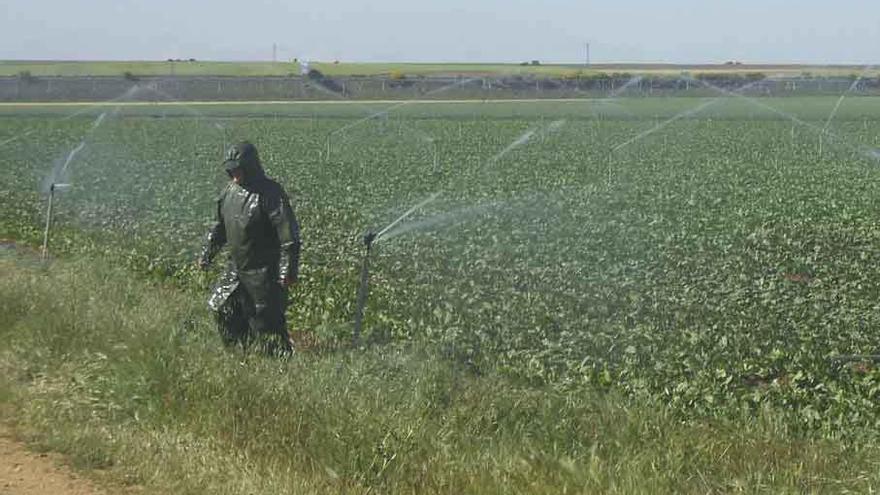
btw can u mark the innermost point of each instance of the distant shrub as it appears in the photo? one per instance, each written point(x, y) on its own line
point(129, 76)
point(397, 75)
point(26, 76)
point(536, 62)
point(320, 79)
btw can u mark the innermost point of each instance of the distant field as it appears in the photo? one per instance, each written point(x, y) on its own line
point(559, 70)
point(213, 68)
point(810, 108)
point(146, 68)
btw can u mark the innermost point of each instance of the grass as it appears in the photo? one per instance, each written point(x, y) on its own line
point(146, 68)
point(562, 70)
point(128, 377)
point(219, 68)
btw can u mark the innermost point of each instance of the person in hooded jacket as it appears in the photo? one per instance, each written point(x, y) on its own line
point(256, 220)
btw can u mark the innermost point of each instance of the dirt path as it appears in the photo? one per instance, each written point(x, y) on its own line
point(23, 472)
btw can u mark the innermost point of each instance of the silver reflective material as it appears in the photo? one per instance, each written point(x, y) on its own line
point(223, 289)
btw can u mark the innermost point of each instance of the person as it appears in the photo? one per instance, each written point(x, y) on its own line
point(256, 220)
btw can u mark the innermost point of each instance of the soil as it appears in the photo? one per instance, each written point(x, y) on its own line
point(23, 472)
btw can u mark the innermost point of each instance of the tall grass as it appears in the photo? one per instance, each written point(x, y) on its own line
point(129, 377)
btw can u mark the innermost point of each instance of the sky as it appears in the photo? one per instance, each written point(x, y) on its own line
point(552, 31)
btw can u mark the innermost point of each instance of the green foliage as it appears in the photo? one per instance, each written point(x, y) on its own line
point(128, 377)
point(717, 266)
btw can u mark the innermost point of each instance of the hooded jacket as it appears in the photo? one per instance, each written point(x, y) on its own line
point(255, 219)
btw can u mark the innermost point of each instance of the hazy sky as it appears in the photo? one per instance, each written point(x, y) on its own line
point(809, 31)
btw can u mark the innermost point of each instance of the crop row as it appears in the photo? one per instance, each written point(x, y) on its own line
point(721, 265)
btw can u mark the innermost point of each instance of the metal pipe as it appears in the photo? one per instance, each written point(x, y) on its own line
point(363, 289)
point(44, 253)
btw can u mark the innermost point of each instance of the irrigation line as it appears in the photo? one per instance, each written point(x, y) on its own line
point(661, 125)
point(77, 113)
point(420, 99)
point(184, 105)
point(522, 139)
point(341, 98)
point(409, 212)
point(58, 173)
point(613, 96)
point(863, 150)
point(675, 118)
point(71, 155)
point(852, 87)
point(398, 105)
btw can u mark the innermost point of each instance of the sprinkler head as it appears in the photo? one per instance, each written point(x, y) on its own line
point(369, 237)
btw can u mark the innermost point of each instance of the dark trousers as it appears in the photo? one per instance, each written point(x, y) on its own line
point(254, 316)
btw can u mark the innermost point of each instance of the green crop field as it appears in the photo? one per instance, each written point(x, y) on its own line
point(39, 68)
point(715, 256)
point(720, 262)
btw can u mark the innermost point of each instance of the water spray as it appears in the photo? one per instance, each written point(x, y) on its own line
point(406, 215)
point(864, 151)
point(839, 102)
point(124, 96)
point(370, 237)
point(681, 115)
point(391, 108)
point(71, 156)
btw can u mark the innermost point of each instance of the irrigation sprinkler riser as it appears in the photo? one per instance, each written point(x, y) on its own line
point(44, 252)
point(363, 290)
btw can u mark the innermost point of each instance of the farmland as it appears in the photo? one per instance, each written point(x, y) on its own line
point(713, 256)
point(265, 68)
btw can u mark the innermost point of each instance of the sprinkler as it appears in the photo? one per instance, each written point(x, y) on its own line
point(369, 238)
point(44, 253)
point(363, 289)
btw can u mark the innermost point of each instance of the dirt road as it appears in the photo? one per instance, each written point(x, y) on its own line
point(23, 472)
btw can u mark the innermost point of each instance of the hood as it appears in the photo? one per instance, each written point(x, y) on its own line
point(244, 155)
